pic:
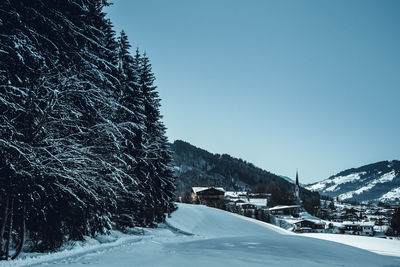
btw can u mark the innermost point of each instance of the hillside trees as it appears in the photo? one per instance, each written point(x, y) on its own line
point(81, 141)
point(395, 223)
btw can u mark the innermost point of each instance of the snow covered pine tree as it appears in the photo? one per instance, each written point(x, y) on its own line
point(81, 138)
point(159, 183)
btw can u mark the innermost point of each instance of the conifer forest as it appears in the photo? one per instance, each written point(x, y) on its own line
point(83, 149)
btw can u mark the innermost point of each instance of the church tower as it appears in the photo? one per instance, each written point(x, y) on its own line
point(297, 189)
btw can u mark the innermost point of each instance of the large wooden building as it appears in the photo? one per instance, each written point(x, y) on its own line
point(210, 196)
point(309, 226)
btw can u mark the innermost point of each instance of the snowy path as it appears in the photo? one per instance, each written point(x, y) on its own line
point(203, 236)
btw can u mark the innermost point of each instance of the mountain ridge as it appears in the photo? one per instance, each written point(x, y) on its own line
point(374, 182)
point(197, 167)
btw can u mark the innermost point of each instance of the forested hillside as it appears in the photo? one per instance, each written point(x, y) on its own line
point(82, 146)
point(198, 167)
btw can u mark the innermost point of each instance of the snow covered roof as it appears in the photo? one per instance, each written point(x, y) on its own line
point(258, 201)
point(201, 188)
point(284, 207)
point(359, 223)
point(235, 193)
point(313, 221)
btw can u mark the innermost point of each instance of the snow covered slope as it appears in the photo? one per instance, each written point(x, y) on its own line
point(202, 236)
point(374, 182)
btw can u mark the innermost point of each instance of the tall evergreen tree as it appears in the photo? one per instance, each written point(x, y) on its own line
point(130, 119)
point(159, 183)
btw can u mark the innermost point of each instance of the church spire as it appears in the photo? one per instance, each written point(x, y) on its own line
point(297, 188)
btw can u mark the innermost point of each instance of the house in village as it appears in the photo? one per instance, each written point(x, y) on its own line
point(246, 203)
point(210, 196)
point(292, 210)
point(260, 200)
point(359, 228)
point(259, 203)
point(309, 226)
point(233, 196)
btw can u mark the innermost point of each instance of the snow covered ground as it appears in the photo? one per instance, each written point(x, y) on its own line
point(378, 245)
point(201, 236)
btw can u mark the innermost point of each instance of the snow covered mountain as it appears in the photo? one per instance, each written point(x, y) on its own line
point(374, 182)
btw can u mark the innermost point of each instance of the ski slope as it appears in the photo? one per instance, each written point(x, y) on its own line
point(201, 236)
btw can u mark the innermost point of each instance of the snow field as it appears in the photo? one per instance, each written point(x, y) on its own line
point(201, 236)
point(377, 245)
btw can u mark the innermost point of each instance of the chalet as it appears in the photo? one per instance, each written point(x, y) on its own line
point(359, 228)
point(209, 196)
point(285, 210)
point(309, 226)
point(259, 200)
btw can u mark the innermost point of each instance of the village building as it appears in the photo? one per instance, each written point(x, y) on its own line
point(292, 210)
point(235, 195)
point(259, 203)
point(210, 196)
point(258, 200)
point(309, 226)
point(359, 228)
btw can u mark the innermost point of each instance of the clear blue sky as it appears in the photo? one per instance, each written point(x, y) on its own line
point(313, 85)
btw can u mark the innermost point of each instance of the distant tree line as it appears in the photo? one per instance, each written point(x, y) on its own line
point(394, 229)
point(82, 146)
